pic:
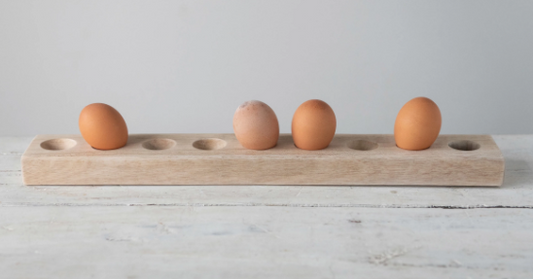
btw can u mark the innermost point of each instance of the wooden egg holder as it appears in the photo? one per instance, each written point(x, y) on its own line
point(219, 159)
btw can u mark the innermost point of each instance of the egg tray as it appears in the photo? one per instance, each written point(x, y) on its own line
point(219, 159)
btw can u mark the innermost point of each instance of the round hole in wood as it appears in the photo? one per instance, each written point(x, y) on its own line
point(464, 145)
point(209, 144)
point(58, 144)
point(158, 144)
point(362, 145)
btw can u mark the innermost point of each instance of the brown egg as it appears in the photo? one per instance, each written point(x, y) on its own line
point(313, 125)
point(417, 124)
point(256, 126)
point(103, 127)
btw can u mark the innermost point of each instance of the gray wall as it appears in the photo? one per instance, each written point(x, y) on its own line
point(185, 66)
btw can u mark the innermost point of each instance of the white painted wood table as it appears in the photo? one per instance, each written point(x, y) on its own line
point(267, 231)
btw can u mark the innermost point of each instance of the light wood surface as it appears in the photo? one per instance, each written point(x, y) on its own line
point(219, 159)
point(268, 231)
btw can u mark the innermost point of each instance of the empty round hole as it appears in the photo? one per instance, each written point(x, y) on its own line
point(464, 145)
point(209, 144)
point(58, 144)
point(362, 145)
point(158, 144)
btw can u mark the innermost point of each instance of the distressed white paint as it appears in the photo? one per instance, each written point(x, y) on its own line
point(264, 242)
point(267, 231)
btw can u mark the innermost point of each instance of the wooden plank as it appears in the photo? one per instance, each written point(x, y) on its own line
point(516, 191)
point(264, 242)
point(219, 159)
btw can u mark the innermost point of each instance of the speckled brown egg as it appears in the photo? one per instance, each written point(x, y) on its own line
point(313, 125)
point(417, 124)
point(256, 126)
point(103, 127)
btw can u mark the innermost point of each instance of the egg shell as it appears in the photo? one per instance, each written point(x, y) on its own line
point(313, 125)
point(256, 126)
point(103, 127)
point(418, 124)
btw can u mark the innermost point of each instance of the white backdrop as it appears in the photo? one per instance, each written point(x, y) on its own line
point(185, 66)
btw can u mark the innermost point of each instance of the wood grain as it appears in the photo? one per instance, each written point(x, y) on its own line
point(516, 191)
point(219, 159)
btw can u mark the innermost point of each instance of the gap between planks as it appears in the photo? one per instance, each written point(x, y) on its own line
point(399, 206)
